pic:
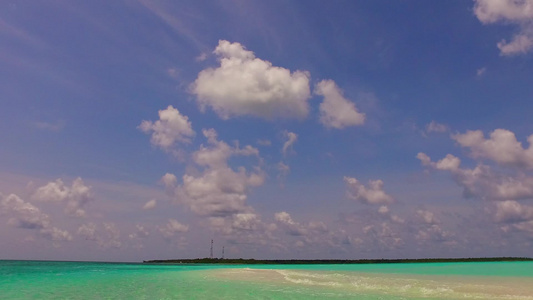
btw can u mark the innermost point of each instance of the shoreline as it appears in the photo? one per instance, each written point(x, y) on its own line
point(400, 285)
point(243, 261)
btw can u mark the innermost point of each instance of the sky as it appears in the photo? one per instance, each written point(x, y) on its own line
point(144, 129)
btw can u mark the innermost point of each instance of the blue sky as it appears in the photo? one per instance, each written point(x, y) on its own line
point(143, 129)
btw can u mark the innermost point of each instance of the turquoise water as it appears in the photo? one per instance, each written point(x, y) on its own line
point(86, 280)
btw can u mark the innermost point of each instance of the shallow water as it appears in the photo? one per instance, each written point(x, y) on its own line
point(82, 280)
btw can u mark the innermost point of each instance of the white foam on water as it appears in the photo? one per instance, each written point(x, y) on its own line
point(390, 285)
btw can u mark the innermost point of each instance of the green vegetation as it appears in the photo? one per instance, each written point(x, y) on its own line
point(251, 261)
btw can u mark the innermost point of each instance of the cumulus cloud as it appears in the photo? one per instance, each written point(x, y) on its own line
point(427, 216)
point(373, 193)
point(313, 232)
point(201, 57)
point(246, 85)
point(141, 232)
point(383, 209)
point(433, 233)
point(525, 227)
point(243, 227)
point(25, 215)
point(112, 234)
point(290, 227)
point(55, 234)
point(170, 181)
point(510, 211)
point(430, 230)
point(75, 197)
point(88, 231)
point(337, 111)
point(245, 221)
point(264, 142)
point(150, 204)
point(482, 181)
point(283, 169)
point(519, 12)
point(106, 236)
point(521, 43)
point(436, 127)
point(171, 128)
point(383, 236)
point(291, 139)
point(172, 227)
point(219, 190)
point(502, 147)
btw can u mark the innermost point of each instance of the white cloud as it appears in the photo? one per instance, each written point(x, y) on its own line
point(88, 231)
point(218, 191)
point(283, 169)
point(246, 226)
point(427, 216)
point(25, 215)
point(313, 232)
point(108, 237)
point(291, 139)
point(264, 142)
point(512, 211)
point(55, 234)
point(430, 230)
point(481, 181)
point(519, 12)
point(201, 57)
point(433, 233)
point(170, 181)
point(383, 235)
point(246, 85)
point(245, 221)
point(383, 209)
point(172, 227)
point(150, 204)
point(171, 128)
point(113, 236)
point(140, 233)
point(290, 227)
point(173, 72)
point(502, 147)
point(490, 11)
point(371, 194)
point(436, 127)
point(520, 44)
point(337, 111)
point(56, 126)
point(76, 196)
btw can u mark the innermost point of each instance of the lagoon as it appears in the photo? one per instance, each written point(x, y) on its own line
point(93, 280)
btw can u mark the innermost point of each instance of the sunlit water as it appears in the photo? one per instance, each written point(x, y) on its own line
point(82, 280)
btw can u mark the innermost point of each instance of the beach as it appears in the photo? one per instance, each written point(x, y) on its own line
point(90, 280)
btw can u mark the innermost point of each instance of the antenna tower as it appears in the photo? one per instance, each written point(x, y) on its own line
point(211, 253)
point(222, 252)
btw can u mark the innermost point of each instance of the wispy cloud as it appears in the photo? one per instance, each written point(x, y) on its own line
point(50, 126)
point(173, 21)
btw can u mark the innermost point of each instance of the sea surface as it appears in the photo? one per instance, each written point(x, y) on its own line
point(92, 280)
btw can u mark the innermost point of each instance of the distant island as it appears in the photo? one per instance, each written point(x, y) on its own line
point(245, 261)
